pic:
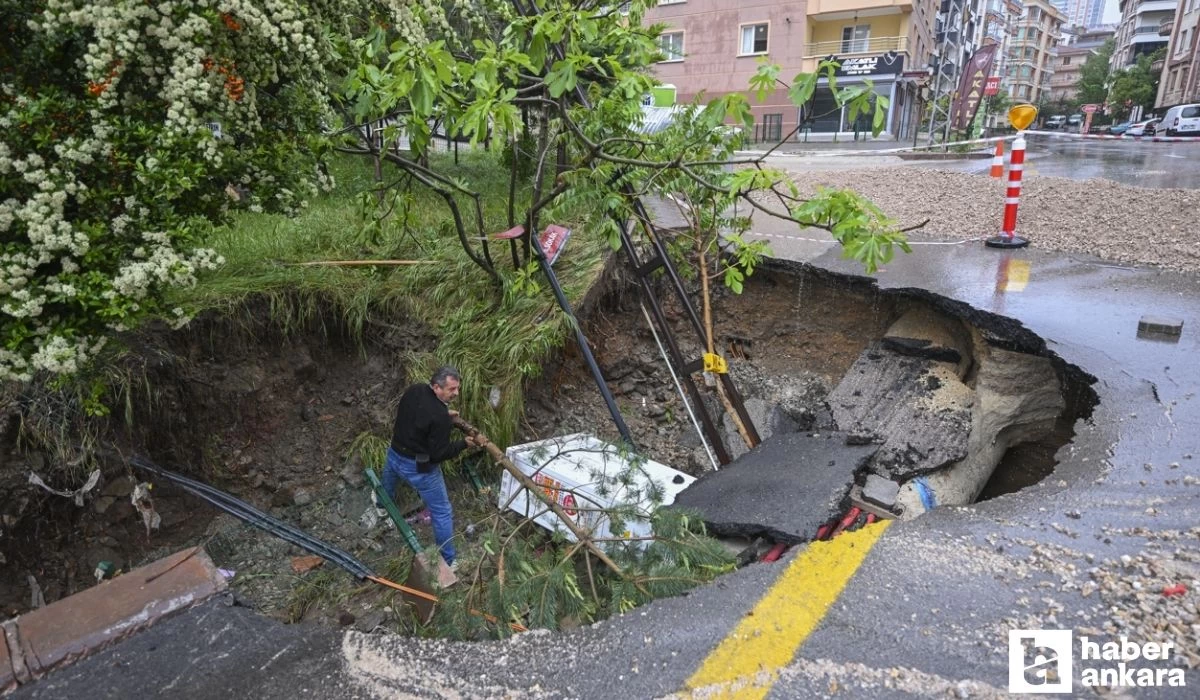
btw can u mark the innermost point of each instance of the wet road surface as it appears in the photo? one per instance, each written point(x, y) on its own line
point(1137, 163)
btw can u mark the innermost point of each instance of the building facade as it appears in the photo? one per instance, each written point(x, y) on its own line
point(1064, 82)
point(1033, 51)
point(714, 46)
point(1180, 82)
point(1144, 28)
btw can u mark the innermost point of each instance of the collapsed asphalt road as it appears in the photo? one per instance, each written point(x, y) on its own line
point(1090, 549)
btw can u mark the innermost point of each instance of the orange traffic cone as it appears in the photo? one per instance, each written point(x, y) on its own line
point(998, 160)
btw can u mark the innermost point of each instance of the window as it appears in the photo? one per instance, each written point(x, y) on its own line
point(1066, 60)
point(772, 128)
point(1190, 112)
point(754, 39)
point(671, 44)
point(856, 39)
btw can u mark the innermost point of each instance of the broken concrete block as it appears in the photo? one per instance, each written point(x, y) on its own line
point(1159, 327)
point(768, 420)
point(880, 491)
point(916, 407)
point(783, 490)
point(302, 565)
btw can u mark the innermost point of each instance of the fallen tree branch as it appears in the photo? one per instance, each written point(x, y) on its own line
point(361, 263)
point(580, 534)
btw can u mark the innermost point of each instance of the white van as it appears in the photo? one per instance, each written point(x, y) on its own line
point(1183, 120)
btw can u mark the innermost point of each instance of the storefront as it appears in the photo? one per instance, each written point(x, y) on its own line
point(886, 75)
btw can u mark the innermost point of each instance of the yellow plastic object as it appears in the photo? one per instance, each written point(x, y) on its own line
point(715, 363)
point(1022, 116)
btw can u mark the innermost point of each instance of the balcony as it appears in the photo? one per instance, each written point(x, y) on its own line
point(830, 9)
point(1165, 26)
point(876, 44)
point(1155, 6)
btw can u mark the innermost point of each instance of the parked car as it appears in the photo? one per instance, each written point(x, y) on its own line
point(1056, 122)
point(1075, 122)
point(1183, 120)
point(1119, 129)
point(1142, 128)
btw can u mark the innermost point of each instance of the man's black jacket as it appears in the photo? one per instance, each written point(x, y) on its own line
point(423, 428)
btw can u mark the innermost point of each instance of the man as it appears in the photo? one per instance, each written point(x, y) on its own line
point(420, 443)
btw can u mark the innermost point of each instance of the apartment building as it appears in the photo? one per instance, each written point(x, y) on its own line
point(1180, 82)
point(1145, 28)
point(999, 26)
point(1032, 52)
point(1064, 82)
point(714, 46)
point(1085, 14)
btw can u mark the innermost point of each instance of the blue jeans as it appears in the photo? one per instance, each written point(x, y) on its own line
point(432, 489)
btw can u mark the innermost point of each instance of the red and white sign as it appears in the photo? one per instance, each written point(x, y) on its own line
point(553, 240)
point(992, 86)
point(1089, 109)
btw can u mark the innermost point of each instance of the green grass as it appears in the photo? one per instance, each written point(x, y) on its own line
point(496, 338)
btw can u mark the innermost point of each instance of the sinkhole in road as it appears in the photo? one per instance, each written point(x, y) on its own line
point(897, 401)
point(970, 404)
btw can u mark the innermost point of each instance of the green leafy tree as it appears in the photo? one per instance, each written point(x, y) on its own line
point(574, 76)
point(128, 128)
point(1093, 76)
point(1135, 86)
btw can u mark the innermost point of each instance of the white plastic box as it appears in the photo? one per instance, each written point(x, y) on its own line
point(567, 469)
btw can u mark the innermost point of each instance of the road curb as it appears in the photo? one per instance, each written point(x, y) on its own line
point(82, 624)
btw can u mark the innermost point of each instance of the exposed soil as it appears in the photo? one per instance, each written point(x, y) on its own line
point(274, 421)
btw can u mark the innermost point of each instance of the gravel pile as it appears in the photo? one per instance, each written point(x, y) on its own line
point(1098, 217)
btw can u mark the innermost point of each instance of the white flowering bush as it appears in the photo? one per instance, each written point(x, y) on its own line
point(126, 127)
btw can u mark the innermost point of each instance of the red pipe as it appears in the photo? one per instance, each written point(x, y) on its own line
point(775, 552)
point(851, 516)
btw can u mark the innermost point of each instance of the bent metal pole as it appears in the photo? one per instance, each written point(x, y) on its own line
point(1008, 237)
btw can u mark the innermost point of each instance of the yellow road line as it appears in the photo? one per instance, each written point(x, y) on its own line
point(746, 663)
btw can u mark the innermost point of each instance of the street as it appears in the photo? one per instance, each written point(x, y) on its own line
point(1137, 163)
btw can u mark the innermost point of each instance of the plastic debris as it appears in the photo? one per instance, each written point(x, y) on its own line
point(423, 517)
point(103, 570)
point(1177, 589)
point(227, 573)
point(36, 598)
point(145, 505)
point(370, 518)
point(77, 494)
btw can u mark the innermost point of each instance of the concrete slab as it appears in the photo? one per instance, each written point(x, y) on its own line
point(784, 489)
point(915, 407)
point(86, 622)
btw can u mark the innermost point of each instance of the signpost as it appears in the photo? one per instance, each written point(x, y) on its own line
point(992, 86)
point(1088, 111)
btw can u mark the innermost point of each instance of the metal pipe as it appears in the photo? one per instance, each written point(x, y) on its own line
point(582, 341)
